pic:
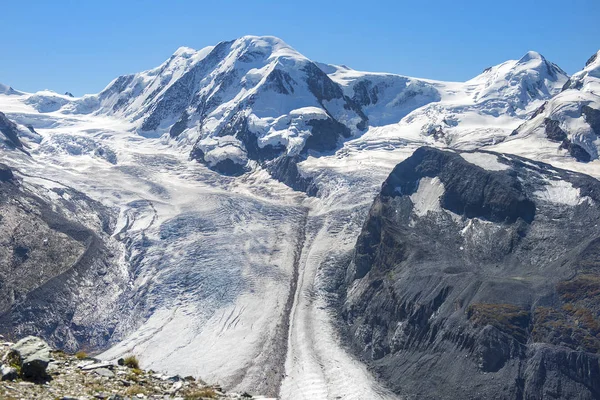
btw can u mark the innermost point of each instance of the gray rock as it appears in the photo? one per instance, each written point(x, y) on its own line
point(53, 367)
point(105, 372)
point(90, 367)
point(35, 356)
point(8, 373)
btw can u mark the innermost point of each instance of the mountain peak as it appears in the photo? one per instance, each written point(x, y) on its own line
point(267, 46)
point(264, 40)
point(184, 51)
point(531, 56)
point(4, 89)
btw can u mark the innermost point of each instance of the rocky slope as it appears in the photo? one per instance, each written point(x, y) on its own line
point(31, 369)
point(57, 262)
point(476, 276)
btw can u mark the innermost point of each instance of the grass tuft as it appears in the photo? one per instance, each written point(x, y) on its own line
point(131, 362)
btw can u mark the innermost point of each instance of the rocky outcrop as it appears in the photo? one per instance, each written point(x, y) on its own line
point(480, 269)
point(10, 130)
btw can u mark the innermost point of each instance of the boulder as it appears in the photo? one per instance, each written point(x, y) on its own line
point(34, 356)
point(8, 373)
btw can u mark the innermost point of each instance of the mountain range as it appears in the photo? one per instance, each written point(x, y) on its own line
point(308, 231)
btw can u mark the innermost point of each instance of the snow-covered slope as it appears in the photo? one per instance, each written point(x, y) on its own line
point(230, 273)
point(385, 98)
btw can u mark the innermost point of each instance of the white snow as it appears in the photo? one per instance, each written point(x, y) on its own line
point(561, 192)
point(427, 197)
point(289, 130)
point(485, 160)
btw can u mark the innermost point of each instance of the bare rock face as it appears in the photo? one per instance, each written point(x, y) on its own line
point(6, 174)
point(477, 275)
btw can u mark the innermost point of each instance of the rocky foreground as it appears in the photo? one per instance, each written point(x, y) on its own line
point(30, 369)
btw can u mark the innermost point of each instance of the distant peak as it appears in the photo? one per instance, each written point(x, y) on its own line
point(531, 56)
point(266, 43)
point(272, 40)
point(5, 89)
point(184, 51)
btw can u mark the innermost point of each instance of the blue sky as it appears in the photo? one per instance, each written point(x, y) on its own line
point(80, 46)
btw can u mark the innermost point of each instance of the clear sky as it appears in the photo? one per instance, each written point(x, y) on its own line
point(80, 46)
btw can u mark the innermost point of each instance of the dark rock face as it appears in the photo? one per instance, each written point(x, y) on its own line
point(365, 93)
point(490, 195)
point(576, 151)
point(285, 170)
point(324, 89)
point(180, 125)
point(6, 174)
point(493, 291)
point(10, 131)
point(592, 117)
point(228, 167)
point(280, 82)
point(326, 134)
point(554, 131)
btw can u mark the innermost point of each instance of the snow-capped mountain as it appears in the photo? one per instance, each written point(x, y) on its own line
point(569, 123)
point(256, 99)
point(220, 264)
